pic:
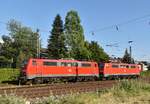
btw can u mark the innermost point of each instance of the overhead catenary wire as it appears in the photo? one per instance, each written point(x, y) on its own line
point(115, 26)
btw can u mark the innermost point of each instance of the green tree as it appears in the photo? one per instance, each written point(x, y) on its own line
point(75, 36)
point(6, 48)
point(56, 42)
point(148, 67)
point(97, 52)
point(6, 52)
point(126, 57)
point(23, 41)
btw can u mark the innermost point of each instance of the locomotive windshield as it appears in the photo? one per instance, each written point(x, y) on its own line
point(24, 63)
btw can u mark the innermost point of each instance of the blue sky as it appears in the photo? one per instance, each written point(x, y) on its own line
point(94, 14)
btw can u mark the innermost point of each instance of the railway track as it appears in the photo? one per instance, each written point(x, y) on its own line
point(56, 89)
point(38, 91)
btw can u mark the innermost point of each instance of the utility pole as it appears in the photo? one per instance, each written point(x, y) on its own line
point(38, 43)
point(130, 49)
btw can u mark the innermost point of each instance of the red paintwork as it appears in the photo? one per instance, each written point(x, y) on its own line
point(94, 70)
point(123, 69)
point(78, 69)
point(40, 70)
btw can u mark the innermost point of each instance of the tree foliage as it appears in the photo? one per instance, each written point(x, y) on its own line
point(75, 36)
point(20, 44)
point(126, 58)
point(65, 41)
point(56, 42)
point(97, 52)
point(6, 51)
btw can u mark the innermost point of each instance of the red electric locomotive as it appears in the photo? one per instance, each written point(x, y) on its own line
point(119, 70)
point(38, 70)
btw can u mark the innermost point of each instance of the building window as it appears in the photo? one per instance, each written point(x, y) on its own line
point(46, 63)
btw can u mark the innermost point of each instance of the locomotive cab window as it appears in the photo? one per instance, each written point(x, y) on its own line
point(85, 65)
point(34, 62)
point(46, 63)
point(24, 63)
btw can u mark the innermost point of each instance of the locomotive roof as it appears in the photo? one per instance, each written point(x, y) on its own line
point(58, 60)
point(121, 63)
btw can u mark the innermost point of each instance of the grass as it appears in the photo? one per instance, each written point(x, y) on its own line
point(145, 73)
point(12, 100)
point(8, 74)
point(126, 92)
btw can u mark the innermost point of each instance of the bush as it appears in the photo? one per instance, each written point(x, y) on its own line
point(145, 73)
point(130, 88)
point(70, 99)
point(8, 74)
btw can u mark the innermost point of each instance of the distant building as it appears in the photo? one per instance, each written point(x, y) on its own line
point(145, 65)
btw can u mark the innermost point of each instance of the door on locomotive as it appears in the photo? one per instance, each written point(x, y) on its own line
point(34, 71)
point(38, 67)
point(101, 70)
